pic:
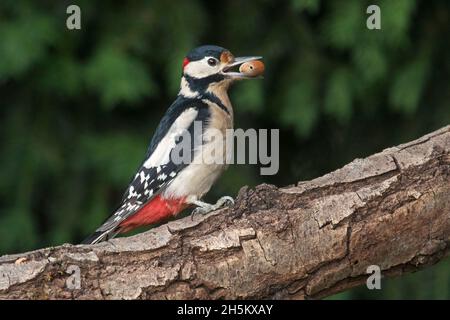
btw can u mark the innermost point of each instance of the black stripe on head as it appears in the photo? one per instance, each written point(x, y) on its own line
point(200, 85)
point(205, 51)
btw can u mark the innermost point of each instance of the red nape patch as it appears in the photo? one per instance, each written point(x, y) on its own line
point(156, 210)
point(185, 62)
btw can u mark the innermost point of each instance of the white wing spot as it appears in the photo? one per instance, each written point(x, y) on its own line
point(161, 154)
point(142, 174)
point(162, 176)
point(132, 193)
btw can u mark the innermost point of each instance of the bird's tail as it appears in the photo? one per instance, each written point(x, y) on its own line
point(99, 236)
point(96, 237)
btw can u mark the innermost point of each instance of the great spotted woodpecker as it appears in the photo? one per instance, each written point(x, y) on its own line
point(162, 188)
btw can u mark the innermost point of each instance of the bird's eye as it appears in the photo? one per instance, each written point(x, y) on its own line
point(212, 62)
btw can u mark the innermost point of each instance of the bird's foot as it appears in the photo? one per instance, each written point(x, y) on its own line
point(204, 208)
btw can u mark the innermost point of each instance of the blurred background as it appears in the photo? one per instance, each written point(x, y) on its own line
point(78, 107)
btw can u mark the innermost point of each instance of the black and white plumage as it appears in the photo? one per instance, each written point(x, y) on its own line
point(161, 186)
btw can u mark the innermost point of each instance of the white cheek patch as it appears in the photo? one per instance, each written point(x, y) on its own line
point(200, 69)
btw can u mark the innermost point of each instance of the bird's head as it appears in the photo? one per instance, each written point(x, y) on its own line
point(211, 66)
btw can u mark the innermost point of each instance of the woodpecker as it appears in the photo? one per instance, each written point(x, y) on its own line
point(161, 187)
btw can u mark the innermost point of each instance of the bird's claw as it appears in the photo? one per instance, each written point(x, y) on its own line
point(198, 210)
point(224, 201)
point(206, 207)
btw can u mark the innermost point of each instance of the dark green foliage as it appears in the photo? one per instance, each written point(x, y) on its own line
point(78, 108)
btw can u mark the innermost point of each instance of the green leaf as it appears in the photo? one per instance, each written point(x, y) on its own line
point(408, 86)
point(344, 23)
point(396, 18)
point(114, 155)
point(311, 6)
point(338, 97)
point(370, 62)
point(249, 96)
point(17, 229)
point(118, 77)
point(300, 107)
point(18, 50)
point(62, 76)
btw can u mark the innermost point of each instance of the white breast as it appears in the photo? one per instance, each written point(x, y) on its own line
point(198, 177)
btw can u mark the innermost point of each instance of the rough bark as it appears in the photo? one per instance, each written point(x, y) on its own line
point(309, 240)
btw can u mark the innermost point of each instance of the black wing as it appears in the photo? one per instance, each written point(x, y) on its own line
point(152, 180)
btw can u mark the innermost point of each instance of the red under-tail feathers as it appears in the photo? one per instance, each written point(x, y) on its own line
point(156, 210)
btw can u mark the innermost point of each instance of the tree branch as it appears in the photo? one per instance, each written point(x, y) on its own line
point(310, 240)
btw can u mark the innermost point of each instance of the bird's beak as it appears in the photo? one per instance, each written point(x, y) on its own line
point(231, 67)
